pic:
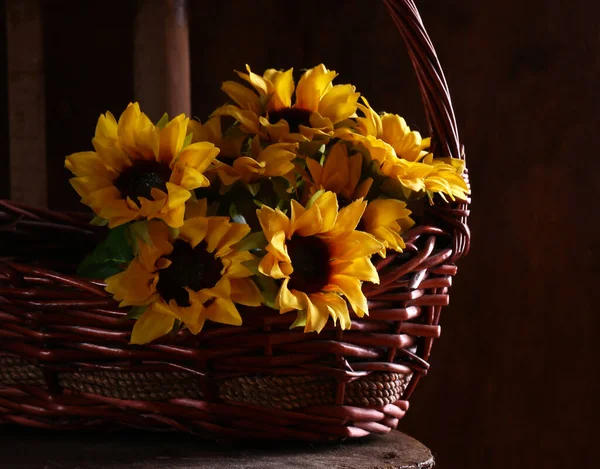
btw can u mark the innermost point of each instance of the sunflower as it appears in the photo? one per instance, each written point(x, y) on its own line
point(430, 177)
point(401, 155)
point(385, 219)
point(321, 258)
point(195, 277)
point(268, 110)
point(139, 170)
point(340, 173)
point(270, 161)
point(387, 136)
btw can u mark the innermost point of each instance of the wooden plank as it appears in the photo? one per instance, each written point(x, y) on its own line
point(162, 58)
point(26, 102)
point(130, 448)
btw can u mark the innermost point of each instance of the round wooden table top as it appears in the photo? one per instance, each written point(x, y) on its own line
point(32, 448)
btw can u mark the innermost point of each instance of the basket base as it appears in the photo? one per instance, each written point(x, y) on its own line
point(35, 448)
point(258, 407)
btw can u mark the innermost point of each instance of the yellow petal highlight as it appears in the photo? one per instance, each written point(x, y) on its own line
point(242, 96)
point(245, 292)
point(340, 102)
point(150, 326)
point(288, 300)
point(312, 86)
point(283, 88)
point(135, 286)
point(351, 288)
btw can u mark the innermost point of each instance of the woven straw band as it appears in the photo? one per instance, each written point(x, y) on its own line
point(280, 392)
point(291, 392)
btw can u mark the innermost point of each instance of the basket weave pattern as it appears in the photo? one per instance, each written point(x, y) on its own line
point(66, 362)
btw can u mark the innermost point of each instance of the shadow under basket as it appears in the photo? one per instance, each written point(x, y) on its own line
point(66, 362)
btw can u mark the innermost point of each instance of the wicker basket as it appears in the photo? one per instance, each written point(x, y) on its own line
point(65, 362)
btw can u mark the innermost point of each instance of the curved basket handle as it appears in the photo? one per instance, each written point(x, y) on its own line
point(432, 83)
point(438, 109)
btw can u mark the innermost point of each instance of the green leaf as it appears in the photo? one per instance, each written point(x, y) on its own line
point(300, 319)
point(99, 271)
point(253, 188)
point(281, 188)
point(139, 230)
point(110, 257)
point(163, 121)
point(252, 265)
point(314, 198)
point(136, 312)
point(187, 141)
point(268, 288)
point(393, 188)
point(99, 221)
point(255, 240)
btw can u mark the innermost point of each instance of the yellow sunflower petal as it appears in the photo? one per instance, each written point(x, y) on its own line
point(171, 139)
point(248, 120)
point(384, 211)
point(259, 83)
point(340, 102)
point(136, 286)
point(311, 87)
point(150, 208)
point(351, 288)
point(85, 186)
point(354, 173)
point(336, 169)
point(328, 206)
point(198, 155)
point(249, 169)
point(278, 158)
point(245, 292)
point(210, 131)
point(361, 268)
point(193, 179)
point(317, 313)
point(290, 300)
point(235, 233)
point(218, 227)
point(126, 128)
point(89, 163)
point(305, 222)
point(316, 171)
point(106, 127)
point(371, 123)
point(177, 197)
point(272, 221)
point(363, 189)
point(269, 266)
point(160, 245)
point(150, 326)
point(348, 218)
point(390, 238)
point(338, 310)
point(223, 311)
point(354, 245)
point(242, 96)
point(283, 88)
point(234, 267)
point(222, 289)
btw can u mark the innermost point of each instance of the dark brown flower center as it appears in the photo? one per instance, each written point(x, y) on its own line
point(293, 116)
point(194, 268)
point(310, 260)
point(139, 180)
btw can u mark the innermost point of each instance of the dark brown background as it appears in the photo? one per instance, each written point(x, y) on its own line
point(514, 381)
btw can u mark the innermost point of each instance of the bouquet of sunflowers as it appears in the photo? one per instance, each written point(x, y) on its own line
point(281, 199)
